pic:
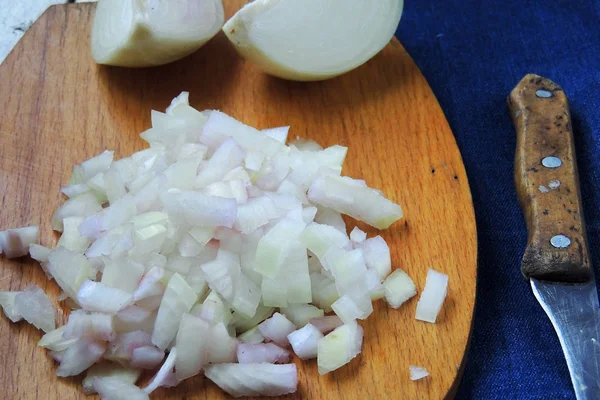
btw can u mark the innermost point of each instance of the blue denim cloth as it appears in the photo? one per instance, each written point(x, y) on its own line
point(473, 52)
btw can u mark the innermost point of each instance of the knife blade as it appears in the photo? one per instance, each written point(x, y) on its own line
point(556, 260)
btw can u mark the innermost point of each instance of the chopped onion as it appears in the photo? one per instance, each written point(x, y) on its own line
point(276, 329)
point(326, 324)
point(433, 295)
point(279, 37)
point(122, 274)
point(262, 353)
point(95, 325)
point(108, 369)
point(274, 247)
point(193, 342)
point(39, 253)
point(146, 357)
point(163, 374)
point(357, 236)
point(136, 34)
point(200, 210)
point(121, 349)
point(254, 379)
point(339, 347)
point(377, 256)
point(319, 239)
point(7, 301)
point(15, 242)
point(55, 341)
point(363, 203)
point(301, 314)
point(69, 269)
point(251, 336)
point(305, 341)
point(417, 373)
point(223, 347)
point(398, 288)
point(35, 307)
point(80, 356)
point(95, 296)
point(115, 388)
point(178, 299)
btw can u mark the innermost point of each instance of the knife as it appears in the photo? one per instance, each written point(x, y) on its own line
point(556, 261)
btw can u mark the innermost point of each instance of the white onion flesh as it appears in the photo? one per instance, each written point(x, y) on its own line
point(15, 242)
point(339, 347)
point(279, 37)
point(129, 33)
point(106, 370)
point(433, 296)
point(276, 329)
point(115, 388)
point(305, 341)
point(188, 247)
point(417, 373)
point(35, 307)
point(398, 288)
point(254, 379)
point(262, 353)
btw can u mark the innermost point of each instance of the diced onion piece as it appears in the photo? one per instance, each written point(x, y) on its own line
point(55, 341)
point(319, 239)
point(357, 235)
point(15, 242)
point(95, 296)
point(135, 318)
point(146, 357)
point(305, 341)
point(274, 247)
point(301, 314)
point(178, 299)
point(280, 133)
point(69, 269)
point(71, 238)
point(214, 310)
point(83, 205)
point(163, 374)
point(35, 307)
point(122, 347)
point(39, 253)
point(377, 256)
point(199, 209)
point(135, 34)
point(106, 370)
point(80, 356)
point(349, 32)
point(255, 213)
point(252, 336)
point(193, 342)
point(262, 353)
point(327, 323)
point(339, 347)
point(433, 295)
point(223, 347)
point(417, 373)
point(242, 323)
point(95, 325)
point(115, 388)
point(347, 197)
point(324, 291)
point(350, 309)
point(398, 288)
point(7, 301)
point(254, 379)
point(150, 284)
point(276, 329)
point(149, 218)
point(122, 274)
point(327, 216)
point(227, 156)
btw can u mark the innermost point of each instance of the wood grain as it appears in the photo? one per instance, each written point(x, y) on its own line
point(550, 197)
point(59, 108)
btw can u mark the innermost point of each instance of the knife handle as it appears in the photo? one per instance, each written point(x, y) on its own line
point(548, 184)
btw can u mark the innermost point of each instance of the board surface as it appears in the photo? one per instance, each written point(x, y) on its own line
point(59, 108)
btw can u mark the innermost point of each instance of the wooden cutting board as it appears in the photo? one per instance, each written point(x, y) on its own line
point(59, 108)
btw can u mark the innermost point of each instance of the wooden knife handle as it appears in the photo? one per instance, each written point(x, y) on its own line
point(548, 184)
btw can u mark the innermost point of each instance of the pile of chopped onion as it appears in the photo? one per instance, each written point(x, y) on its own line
point(217, 249)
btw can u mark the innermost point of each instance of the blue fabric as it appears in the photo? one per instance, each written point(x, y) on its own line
point(473, 52)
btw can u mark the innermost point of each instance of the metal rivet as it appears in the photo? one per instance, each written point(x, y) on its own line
point(551, 162)
point(560, 241)
point(553, 184)
point(543, 93)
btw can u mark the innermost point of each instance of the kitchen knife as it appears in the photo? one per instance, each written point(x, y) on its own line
point(556, 260)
